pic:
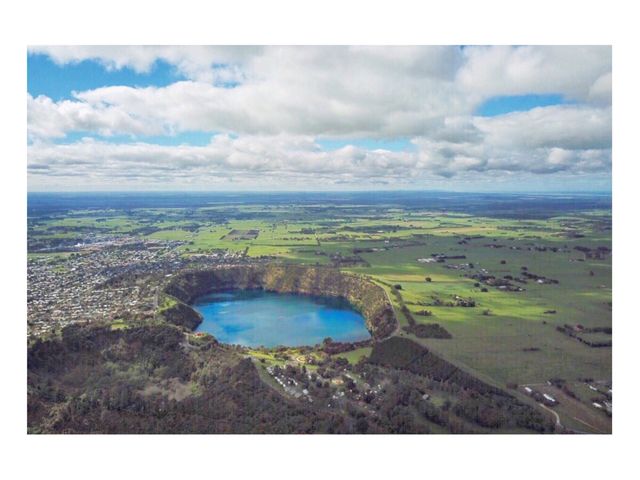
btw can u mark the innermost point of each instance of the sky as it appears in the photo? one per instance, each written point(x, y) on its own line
point(526, 118)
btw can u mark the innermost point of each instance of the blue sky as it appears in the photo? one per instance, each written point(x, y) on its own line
point(502, 105)
point(193, 117)
point(58, 82)
point(391, 144)
point(198, 139)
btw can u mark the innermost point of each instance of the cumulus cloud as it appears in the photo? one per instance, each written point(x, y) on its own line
point(569, 70)
point(571, 127)
point(224, 156)
point(341, 91)
point(543, 140)
point(285, 98)
point(49, 119)
point(286, 158)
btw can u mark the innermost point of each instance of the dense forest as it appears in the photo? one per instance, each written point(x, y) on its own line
point(157, 378)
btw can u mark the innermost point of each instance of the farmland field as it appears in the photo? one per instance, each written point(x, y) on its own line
point(521, 297)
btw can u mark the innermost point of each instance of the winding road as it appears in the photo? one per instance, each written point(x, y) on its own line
point(555, 414)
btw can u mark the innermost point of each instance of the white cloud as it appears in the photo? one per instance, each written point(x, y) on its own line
point(49, 119)
point(568, 70)
point(223, 157)
point(317, 91)
point(571, 127)
point(337, 91)
point(600, 91)
point(300, 160)
point(543, 140)
point(287, 97)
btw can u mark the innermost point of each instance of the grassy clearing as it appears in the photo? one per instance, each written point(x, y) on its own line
point(166, 302)
point(355, 355)
point(119, 324)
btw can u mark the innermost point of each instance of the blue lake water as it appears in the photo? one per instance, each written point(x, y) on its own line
point(254, 317)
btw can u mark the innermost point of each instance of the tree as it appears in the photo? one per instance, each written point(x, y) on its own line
point(362, 425)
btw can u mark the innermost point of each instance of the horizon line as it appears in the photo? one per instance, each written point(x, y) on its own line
point(141, 192)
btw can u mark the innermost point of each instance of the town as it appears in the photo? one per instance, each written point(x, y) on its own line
point(97, 281)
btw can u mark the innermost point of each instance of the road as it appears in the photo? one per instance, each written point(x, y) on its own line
point(555, 414)
point(377, 283)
